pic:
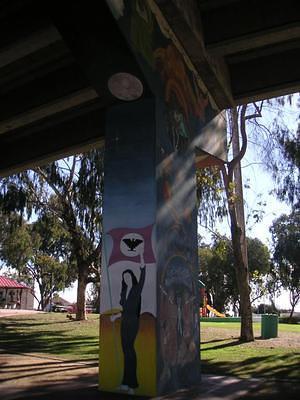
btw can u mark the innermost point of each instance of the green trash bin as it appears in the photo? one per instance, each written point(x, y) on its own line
point(269, 326)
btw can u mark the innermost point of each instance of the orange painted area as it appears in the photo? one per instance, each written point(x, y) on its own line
point(112, 360)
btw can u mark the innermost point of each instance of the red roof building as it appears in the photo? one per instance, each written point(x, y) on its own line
point(11, 283)
point(14, 294)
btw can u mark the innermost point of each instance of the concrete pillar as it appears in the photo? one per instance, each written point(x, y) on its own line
point(149, 325)
point(149, 328)
point(157, 114)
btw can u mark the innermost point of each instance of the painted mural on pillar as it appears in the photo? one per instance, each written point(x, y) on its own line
point(177, 324)
point(128, 281)
point(170, 73)
point(183, 108)
point(182, 96)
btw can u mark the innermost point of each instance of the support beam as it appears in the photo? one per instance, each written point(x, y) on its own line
point(42, 90)
point(231, 21)
point(29, 45)
point(34, 66)
point(281, 34)
point(266, 76)
point(59, 105)
point(23, 149)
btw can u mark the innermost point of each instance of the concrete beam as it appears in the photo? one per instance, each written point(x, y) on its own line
point(47, 159)
point(255, 40)
point(231, 21)
point(39, 145)
point(61, 104)
point(28, 45)
point(266, 77)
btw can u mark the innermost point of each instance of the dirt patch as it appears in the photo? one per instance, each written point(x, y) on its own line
point(21, 372)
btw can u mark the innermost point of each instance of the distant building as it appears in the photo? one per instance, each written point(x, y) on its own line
point(15, 295)
point(60, 301)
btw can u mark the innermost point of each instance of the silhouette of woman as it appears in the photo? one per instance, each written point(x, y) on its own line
point(131, 304)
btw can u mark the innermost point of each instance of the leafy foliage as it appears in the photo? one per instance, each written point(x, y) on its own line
point(70, 190)
point(40, 252)
point(210, 195)
point(286, 254)
point(218, 274)
point(280, 148)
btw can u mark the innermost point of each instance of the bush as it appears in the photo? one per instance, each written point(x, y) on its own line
point(265, 309)
point(287, 320)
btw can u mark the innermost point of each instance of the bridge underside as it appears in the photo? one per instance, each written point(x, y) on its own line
point(51, 106)
point(66, 72)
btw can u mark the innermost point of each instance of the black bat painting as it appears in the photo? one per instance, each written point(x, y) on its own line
point(132, 243)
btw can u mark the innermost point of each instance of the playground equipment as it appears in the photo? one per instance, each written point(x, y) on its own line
point(214, 311)
point(206, 307)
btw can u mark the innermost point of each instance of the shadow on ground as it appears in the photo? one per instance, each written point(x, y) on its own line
point(218, 387)
point(275, 365)
point(19, 336)
point(46, 377)
point(211, 389)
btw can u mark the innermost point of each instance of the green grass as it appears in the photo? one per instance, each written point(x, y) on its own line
point(221, 351)
point(51, 333)
point(289, 328)
point(256, 326)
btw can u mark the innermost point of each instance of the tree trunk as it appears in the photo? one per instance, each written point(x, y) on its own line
point(81, 296)
point(242, 277)
point(291, 313)
point(293, 302)
point(42, 301)
point(234, 192)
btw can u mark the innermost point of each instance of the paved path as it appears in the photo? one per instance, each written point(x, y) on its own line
point(39, 377)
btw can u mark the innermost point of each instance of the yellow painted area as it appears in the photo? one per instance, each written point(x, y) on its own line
point(111, 355)
point(217, 313)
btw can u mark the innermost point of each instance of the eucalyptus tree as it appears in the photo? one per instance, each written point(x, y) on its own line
point(229, 201)
point(220, 190)
point(278, 139)
point(286, 254)
point(218, 274)
point(39, 253)
point(71, 189)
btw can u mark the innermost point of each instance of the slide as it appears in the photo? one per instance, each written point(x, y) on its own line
point(217, 313)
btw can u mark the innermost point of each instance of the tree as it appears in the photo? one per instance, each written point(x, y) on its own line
point(280, 155)
point(15, 243)
point(40, 252)
point(232, 185)
point(217, 271)
point(286, 254)
point(279, 144)
point(72, 190)
point(259, 261)
point(94, 296)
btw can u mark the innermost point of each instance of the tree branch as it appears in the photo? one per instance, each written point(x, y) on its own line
point(237, 159)
point(42, 174)
point(72, 172)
